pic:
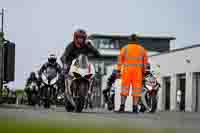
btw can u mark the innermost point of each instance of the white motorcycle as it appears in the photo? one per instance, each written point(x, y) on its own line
point(79, 85)
point(49, 87)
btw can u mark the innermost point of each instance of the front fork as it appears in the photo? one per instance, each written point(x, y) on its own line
point(143, 99)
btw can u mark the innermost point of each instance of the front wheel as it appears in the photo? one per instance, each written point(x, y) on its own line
point(68, 106)
point(34, 99)
point(79, 104)
point(111, 103)
point(142, 108)
point(46, 104)
point(153, 101)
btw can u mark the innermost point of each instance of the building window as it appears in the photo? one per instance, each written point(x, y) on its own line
point(101, 44)
point(106, 43)
point(105, 71)
point(96, 44)
point(117, 44)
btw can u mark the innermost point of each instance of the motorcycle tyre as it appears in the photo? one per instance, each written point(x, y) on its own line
point(47, 104)
point(68, 106)
point(110, 106)
point(33, 100)
point(154, 104)
point(142, 109)
point(80, 104)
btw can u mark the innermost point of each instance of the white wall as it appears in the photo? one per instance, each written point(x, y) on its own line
point(175, 63)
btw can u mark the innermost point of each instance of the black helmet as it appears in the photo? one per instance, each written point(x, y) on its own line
point(32, 75)
point(52, 58)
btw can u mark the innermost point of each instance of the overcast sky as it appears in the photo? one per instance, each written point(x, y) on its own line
point(42, 26)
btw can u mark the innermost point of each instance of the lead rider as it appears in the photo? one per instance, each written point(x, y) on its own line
point(78, 46)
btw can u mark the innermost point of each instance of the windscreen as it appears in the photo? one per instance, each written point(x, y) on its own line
point(83, 61)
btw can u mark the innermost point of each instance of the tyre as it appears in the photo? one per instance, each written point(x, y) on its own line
point(153, 104)
point(80, 104)
point(86, 103)
point(142, 109)
point(68, 106)
point(47, 104)
point(22, 100)
point(33, 100)
point(110, 105)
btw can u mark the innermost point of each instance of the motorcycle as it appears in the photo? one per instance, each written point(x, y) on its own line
point(49, 87)
point(149, 97)
point(7, 95)
point(79, 84)
point(32, 94)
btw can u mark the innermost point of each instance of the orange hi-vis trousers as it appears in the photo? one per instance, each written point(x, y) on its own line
point(131, 79)
point(132, 61)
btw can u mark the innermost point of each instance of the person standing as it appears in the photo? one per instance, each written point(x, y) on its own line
point(132, 64)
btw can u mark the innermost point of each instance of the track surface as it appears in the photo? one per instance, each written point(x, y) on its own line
point(104, 118)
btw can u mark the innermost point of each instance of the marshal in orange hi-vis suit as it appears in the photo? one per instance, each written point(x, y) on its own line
point(132, 62)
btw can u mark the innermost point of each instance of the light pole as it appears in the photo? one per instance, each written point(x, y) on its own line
point(2, 19)
point(2, 51)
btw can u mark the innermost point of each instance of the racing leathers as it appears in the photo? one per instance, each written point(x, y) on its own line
point(55, 66)
point(31, 78)
point(110, 81)
point(71, 52)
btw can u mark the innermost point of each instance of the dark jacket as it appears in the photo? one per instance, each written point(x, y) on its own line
point(47, 64)
point(30, 80)
point(71, 52)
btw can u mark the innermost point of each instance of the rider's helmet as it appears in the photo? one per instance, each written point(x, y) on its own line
point(116, 72)
point(52, 59)
point(32, 75)
point(80, 37)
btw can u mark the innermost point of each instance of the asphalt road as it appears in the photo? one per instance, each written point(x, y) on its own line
point(102, 118)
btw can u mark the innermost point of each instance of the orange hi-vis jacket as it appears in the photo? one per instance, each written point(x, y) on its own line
point(132, 62)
